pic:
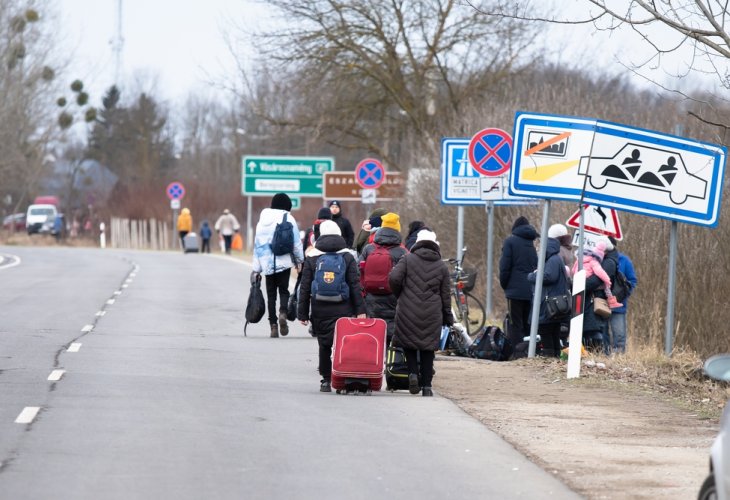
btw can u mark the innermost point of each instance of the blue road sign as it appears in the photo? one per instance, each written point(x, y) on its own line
point(175, 191)
point(617, 166)
point(370, 173)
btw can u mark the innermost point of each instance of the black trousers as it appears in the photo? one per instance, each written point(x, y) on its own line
point(277, 282)
point(182, 239)
point(519, 316)
point(206, 246)
point(550, 335)
point(426, 364)
point(228, 239)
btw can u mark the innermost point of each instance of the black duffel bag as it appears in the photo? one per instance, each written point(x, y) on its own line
point(256, 306)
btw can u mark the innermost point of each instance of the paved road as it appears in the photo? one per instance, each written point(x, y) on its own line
point(160, 396)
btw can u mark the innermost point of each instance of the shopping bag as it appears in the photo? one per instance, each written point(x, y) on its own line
point(237, 242)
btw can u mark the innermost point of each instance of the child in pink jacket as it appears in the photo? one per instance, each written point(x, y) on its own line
point(592, 259)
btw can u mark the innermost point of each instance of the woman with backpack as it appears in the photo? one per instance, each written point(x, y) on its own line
point(330, 288)
point(376, 261)
point(422, 284)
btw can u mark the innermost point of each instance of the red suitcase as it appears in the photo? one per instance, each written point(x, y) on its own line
point(359, 353)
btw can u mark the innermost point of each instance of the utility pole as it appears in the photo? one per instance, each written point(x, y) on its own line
point(117, 44)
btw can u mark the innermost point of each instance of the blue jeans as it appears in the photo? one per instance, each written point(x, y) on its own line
point(618, 331)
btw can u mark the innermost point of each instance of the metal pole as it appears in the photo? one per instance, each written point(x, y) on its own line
point(459, 233)
point(669, 334)
point(490, 256)
point(174, 229)
point(581, 237)
point(537, 297)
point(249, 229)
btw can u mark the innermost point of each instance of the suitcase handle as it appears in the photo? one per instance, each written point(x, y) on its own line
point(364, 322)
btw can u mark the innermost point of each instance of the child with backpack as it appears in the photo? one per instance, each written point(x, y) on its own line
point(277, 249)
point(376, 261)
point(330, 288)
point(592, 258)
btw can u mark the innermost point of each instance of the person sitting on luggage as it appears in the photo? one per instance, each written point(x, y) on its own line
point(424, 305)
point(376, 261)
point(330, 287)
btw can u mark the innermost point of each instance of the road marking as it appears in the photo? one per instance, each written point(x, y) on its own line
point(87, 328)
point(545, 172)
point(27, 415)
point(547, 143)
point(110, 301)
point(101, 313)
point(125, 286)
point(117, 292)
point(56, 375)
point(74, 347)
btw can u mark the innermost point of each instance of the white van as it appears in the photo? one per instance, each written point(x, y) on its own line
point(40, 219)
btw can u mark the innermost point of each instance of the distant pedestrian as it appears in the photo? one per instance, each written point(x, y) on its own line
point(617, 320)
point(312, 233)
point(184, 225)
point(345, 227)
point(413, 229)
point(420, 280)
point(519, 258)
point(205, 235)
point(227, 225)
point(273, 264)
point(365, 235)
point(330, 262)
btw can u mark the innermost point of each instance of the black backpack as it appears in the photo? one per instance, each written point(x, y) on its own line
point(621, 286)
point(491, 343)
point(283, 241)
point(256, 306)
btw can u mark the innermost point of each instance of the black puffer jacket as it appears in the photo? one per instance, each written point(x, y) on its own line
point(326, 311)
point(519, 258)
point(345, 228)
point(554, 279)
point(594, 286)
point(422, 284)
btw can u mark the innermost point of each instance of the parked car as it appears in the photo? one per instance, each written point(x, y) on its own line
point(16, 222)
point(717, 483)
point(41, 219)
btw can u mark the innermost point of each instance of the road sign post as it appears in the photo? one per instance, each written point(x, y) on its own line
point(175, 192)
point(343, 186)
point(296, 176)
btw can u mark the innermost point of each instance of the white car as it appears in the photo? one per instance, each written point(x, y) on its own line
point(717, 483)
point(40, 219)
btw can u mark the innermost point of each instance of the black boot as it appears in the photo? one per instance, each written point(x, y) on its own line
point(274, 331)
point(325, 386)
point(413, 386)
point(283, 326)
point(427, 392)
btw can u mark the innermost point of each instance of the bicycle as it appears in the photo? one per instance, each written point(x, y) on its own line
point(467, 309)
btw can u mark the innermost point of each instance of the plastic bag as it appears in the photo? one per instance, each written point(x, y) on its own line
point(237, 242)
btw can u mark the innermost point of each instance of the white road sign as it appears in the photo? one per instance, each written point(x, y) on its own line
point(597, 220)
point(620, 167)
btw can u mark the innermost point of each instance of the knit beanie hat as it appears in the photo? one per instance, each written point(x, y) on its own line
point(520, 221)
point(391, 220)
point(324, 213)
point(599, 250)
point(329, 227)
point(281, 201)
point(426, 235)
point(557, 230)
point(334, 202)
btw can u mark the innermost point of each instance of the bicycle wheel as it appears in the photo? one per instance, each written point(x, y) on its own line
point(477, 317)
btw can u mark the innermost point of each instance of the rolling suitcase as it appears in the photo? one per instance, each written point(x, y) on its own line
point(359, 351)
point(191, 243)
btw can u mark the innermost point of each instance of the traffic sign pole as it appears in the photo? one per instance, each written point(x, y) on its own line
point(490, 255)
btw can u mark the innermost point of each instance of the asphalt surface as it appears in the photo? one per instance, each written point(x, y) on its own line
point(155, 393)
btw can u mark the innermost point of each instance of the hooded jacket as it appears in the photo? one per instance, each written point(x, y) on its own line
point(421, 282)
point(554, 280)
point(519, 258)
point(345, 228)
point(263, 257)
point(227, 224)
point(363, 236)
point(185, 221)
point(205, 231)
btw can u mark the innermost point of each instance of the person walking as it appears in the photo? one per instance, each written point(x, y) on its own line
point(369, 225)
point(325, 313)
point(519, 258)
point(205, 234)
point(184, 225)
point(227, 225)
point(376, 261)
point(413, 228)
point(554, 282)
point(420, 281)
point(345, 227)
point(276, 223)
point(312, 233)
point(617, 321)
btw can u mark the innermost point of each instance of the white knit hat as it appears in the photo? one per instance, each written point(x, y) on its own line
point(609, 245)
point(426, 235)
point(329, 227)
point(557, 230)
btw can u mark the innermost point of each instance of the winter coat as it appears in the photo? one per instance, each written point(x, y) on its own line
point(421, 282)
point(383, 306)
point(413, 229)
point(554, 279)
point(227, 224)
point(594, 286)
point(324, 314)
point(627, 267)
point(205, 231)
point(519, 259)
point(345, 228)
point(363, 236)
point(263, 256)
point(185, 221)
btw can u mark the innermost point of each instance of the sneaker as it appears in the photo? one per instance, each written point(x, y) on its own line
point(413, 386)
point(283, 326)
point(427, 392)
point(613, 303)
point(325, 386)
point(274, 331)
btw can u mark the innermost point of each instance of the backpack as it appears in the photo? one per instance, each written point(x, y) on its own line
point(256, 306)
point(621, 286)
point(283, 241)
point(376, 271)
point(491, 343)
point(329, 283)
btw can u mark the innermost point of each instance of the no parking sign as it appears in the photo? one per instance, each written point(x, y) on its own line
point(370, 173)
point(490, 152)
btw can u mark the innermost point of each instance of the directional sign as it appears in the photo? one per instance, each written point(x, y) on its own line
point(175, 191)
point(370, 173)
point(598, 220)
point(490, 151)
point(296, 176)
point(344, 187)
point(618, 166)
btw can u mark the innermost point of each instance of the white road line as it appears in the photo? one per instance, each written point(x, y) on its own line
point(74, 347)
point(27, 415)
point(101, 313)
point(110, 301)
point(87, 328)
point(125, 286)
point(117, 292)
point(56, 375)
